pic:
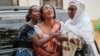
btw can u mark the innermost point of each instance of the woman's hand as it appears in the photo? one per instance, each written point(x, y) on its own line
point(41, 52)
point(62, 38)
point(55, 54)
point(72, 40)
point(75, 41)
point(55, 34)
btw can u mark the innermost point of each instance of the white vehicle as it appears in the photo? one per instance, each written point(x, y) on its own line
point(12, 18)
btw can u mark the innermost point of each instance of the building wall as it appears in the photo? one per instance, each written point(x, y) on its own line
point(28, 2)
point(23, 2)
point(34, 2)
point(92, 6)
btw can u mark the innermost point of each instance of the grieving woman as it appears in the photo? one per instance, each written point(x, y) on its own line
point(45, 29)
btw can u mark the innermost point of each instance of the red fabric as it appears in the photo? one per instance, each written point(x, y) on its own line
point(53, 44)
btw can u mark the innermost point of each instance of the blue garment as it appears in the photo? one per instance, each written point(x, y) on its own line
point(22, 37)
point(24, 51)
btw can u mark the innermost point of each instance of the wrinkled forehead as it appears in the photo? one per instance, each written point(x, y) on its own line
point(46, 6)
point(73, 4)
point(36, 7)
point(78, 4)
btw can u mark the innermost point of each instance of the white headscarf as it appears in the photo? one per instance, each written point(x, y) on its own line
point(81, 25)
point(80, 13)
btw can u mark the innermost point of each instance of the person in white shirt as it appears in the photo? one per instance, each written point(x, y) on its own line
point(78, 26)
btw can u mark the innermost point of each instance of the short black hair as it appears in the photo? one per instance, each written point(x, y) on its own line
point(41, 12)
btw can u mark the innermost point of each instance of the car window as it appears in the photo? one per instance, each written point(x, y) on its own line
point(63, 17)
point(10, 22)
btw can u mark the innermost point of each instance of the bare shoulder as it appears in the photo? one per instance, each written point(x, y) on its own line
point(40, 24)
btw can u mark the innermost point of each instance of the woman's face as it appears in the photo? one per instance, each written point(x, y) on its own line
point(71, 11)
point(48, 11)
point(35, 13)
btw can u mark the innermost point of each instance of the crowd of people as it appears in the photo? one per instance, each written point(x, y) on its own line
point(43, 35)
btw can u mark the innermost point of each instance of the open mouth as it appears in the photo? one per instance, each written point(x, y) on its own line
point(49, 13)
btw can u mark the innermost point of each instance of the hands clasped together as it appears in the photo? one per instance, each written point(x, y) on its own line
point(60, 37)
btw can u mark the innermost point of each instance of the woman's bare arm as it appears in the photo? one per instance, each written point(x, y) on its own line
point(40, 51)
point(40, 42)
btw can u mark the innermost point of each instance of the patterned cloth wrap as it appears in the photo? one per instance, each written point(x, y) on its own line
point(23, 36)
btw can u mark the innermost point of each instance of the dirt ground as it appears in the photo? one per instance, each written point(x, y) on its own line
point(97, 37)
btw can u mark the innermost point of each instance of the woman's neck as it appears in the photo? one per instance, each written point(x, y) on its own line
point(34, 22)
point(49, 22)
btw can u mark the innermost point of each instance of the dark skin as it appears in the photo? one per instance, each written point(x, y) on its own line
point(71, 12)
point(36, 42)
point(62, 38)
point(35, 15)
point(46, 26)
point(40, 42)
